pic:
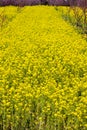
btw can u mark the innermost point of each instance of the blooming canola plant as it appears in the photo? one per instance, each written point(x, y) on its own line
point(43, 71)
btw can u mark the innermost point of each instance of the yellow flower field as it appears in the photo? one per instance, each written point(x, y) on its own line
point(43, 71)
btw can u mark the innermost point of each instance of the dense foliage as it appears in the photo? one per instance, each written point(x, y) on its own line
point(80, 14)
point(33, 2)
point(76, 16)
point(43, 71)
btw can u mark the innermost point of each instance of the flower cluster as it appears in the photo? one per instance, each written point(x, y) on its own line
point(43, 72)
